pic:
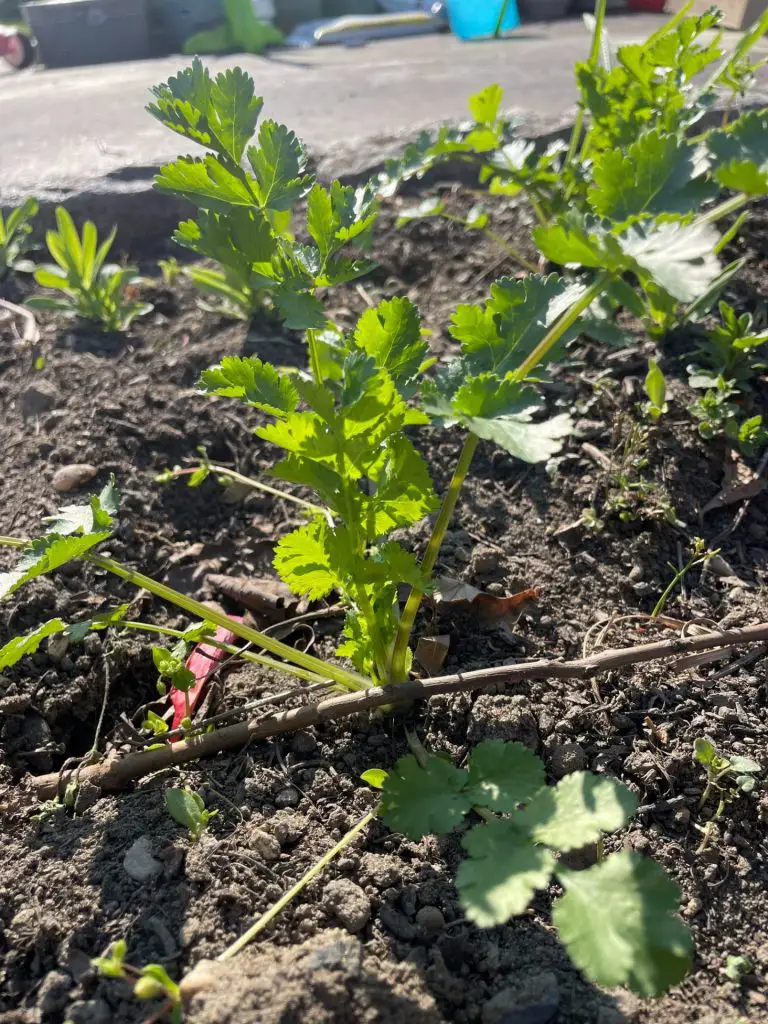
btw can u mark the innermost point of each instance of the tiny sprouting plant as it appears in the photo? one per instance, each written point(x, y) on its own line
point(737, 966)
point(173, 672)
point(93, 290)
point(617, 919)
point(245, 213)
point(700, 555)
point(170, 271)
point(656, 391)
point(188, 808)
point(730, 347)
point(149, 982)
point(727, 775)
point(718, 413)
point(15, 230)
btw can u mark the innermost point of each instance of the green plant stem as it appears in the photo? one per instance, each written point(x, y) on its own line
point(348, 680)
point(723, 209)
point(14, 542)
point(679, 575)
point(500, 19)
point(594, 55)
point(250, 482)
point(397, 671)
point(266, 919)
point(259, 659)
point(558, 329)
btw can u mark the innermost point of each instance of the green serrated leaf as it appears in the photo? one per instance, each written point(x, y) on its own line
point(679, 257)
point(741, 154)
point(306, 560)
point(233, 111)
point(503, 775)
point(301, 311)
point(578, 810)
point(375, 777)
point(404, 493)
point(20, 646)
point(391, 334)
point(484, 105)
point(278, 163)
point(44, 555)
point(503, 871)
point(248, 378)
point(417, 801)
point(657, 174)
point(618, 922)
point(205, 182)
point(531, 442)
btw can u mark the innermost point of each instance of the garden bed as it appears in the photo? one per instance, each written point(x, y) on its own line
point(126, 404)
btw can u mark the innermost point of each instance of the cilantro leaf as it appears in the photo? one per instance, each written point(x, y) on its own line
point(46, 554)
point(78, 630)
point(233, 111)
point(417, 801)
point(404, 492)
point(484, 105)
point(503, 775)
point(679, 257)
point(98, 514)
point(20, 646)
point(578, 810)
point(391, 335)
point(205, 182)
point(300, 310)
point(257, 383)
point(503, 871)
point(657, 174)
point(618, 922)
point(314, 560)
point(278, 163)
point(741, 154)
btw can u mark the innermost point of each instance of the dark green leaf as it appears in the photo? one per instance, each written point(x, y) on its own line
point(417, 801)
point(618, 921)
point(257, 383)
point(301, 311)
point(741, 154)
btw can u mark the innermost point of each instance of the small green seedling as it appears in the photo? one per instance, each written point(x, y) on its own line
point(170, 270)
point(656, 390)
point(736, 967)
point(718, 415)
point(188, 809)
point(149, 982)
point(15, 230)
point(729, 348)
point(170, 665)
point(92, 289)
point(729, 775)
point(700, 555)
point(617, 919)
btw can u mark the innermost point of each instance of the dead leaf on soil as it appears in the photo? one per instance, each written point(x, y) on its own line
point(487, 607)
point(431, 652)
point(740, 483)
point(267, 597)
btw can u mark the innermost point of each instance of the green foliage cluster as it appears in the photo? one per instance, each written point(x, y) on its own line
point(616, 919)
point(15, 230)
point(188, 808)
point(90, 288)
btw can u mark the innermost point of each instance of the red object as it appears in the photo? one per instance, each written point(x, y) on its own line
point(652, 6)
point(202, 662)
point(17, 48)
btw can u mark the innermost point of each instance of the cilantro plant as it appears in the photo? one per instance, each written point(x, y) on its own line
point(617, 919)
point(729, 348)
point(656, 391)
point(149, 982)
point(246, 191)
point(92, 289)
point(726, 775)
point(188, 809)
point(626, 193)
point(15, 230)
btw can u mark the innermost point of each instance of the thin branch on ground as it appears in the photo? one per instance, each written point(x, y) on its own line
point(116, 773)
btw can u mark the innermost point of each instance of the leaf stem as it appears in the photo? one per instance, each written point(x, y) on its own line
point(397, 671)
point(261, 923)
point(259, 659)
point(250, 482)
point(14, 542)
point(326, 670)
point(594, 54)
point(723, 209)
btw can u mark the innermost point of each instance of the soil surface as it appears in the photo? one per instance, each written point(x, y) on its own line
point(379, 936)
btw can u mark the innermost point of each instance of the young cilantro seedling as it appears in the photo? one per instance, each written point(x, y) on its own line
point(15, 230)
point(91, 288)
point(187, 808)
point(656, 391)
point(726, 774)
point(617, 919)
point(149, 982)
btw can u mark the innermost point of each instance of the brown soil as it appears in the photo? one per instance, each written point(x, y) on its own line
point(127, 406)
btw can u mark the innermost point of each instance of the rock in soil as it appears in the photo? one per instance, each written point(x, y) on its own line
point(534, 1000)
point(327, 980)
point(139, 862)
point(567, 758)
point(348, 903)
point(265, 845)
point(75, 475)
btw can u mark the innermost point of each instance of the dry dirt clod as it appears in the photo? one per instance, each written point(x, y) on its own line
point(139, 862)
point(38, 398)
point(430, 921)
point(265, 845)
point(287, 797)
point(53, 994)
point(567, 758)
point(534, 1000)
point(77, 474)
point(347, 901)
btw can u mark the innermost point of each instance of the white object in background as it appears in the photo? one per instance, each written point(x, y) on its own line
point(264, 10)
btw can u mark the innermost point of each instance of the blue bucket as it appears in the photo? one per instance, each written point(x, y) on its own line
point(477, 19)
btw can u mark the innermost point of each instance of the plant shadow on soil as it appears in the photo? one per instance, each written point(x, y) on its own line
point(134, 412)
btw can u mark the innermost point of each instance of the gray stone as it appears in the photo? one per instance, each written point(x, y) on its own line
point(53, 994)
point(397, 923)
point(89, 1011)
point(138, 861)
point(76, 474)
point(347, 901)
point(534, 1000)
point(567, 758)
point(430, 921)
point(304, 743)
point(265, 845)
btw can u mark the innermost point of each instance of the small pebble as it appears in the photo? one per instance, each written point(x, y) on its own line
point(77, 474)
point(567, 758)
point(53, 994)
point(287, 797)
point(430, 920)
point(304, 743)
point(692, 907)
point(265, 845)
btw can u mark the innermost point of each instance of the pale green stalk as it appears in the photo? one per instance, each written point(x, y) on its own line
point(594, 56)
point(248, 481)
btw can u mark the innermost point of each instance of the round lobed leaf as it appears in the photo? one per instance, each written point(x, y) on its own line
point(417, 801)
point(503, 775)
point(578, 810)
